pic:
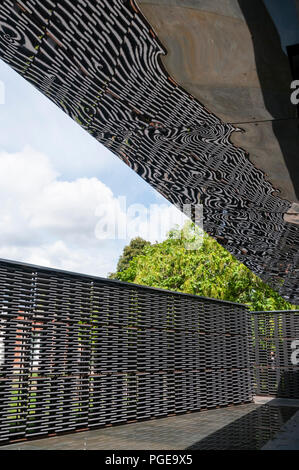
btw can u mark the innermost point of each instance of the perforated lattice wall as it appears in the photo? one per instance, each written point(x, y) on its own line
point(79, 352)
point(100, 62)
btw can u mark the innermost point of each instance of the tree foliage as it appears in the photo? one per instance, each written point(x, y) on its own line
point(135, 247)
point(210, 271)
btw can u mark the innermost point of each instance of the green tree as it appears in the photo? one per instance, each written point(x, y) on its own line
point(135, 247)
point(210, 271)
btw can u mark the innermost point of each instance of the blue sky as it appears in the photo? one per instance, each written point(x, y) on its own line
point(53, 178)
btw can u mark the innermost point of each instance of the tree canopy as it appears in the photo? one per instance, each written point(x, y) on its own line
point(209, 271)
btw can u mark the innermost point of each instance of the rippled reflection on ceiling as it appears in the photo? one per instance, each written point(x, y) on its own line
point(101, 63)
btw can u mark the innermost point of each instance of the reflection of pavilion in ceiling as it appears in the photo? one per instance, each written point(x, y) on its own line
point(101, 65)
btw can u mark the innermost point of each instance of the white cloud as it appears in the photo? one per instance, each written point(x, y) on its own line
point(47, 221)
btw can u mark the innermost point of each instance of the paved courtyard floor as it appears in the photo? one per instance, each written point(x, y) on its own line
point(249, 426)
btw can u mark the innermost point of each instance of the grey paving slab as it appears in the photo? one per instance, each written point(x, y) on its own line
point(231, 427)
point(284, 402)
